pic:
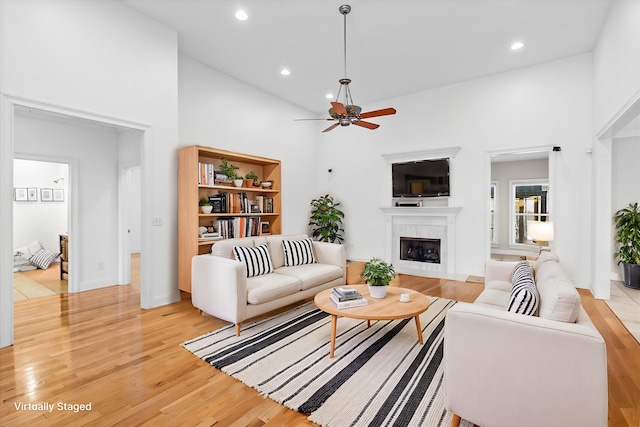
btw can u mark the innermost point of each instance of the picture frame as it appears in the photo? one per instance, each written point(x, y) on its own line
point(20, 194)
point(46, 194)
point(32, 194)
point(58, 195)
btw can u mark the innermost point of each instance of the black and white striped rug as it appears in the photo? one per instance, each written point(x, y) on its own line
point(380, 376)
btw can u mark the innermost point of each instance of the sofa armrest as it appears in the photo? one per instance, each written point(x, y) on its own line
point(506, 369)
point(498, 270)
point(219, 287)
point(332, 254)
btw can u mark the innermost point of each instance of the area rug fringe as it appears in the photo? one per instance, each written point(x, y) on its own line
point(380, 376)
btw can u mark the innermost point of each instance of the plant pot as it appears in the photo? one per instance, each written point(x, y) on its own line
point(377, 291)
point(238, 182)
point(248, 183)
point(206, 209)
point(631, 275)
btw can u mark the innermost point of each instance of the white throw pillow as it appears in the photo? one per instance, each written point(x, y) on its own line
point(43, 258)
point(256, 259)
point(298, 252)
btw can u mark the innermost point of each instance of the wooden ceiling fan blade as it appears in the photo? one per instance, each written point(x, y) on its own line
point(376, 113)
point(338, 107)
point(333, 126)
point(367, 125)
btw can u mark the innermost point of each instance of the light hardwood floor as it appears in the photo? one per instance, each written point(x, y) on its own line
point(100, 348)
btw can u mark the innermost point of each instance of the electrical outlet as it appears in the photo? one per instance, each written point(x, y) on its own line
point(157, 220)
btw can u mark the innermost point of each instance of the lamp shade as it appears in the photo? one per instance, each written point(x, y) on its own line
point(539, 231)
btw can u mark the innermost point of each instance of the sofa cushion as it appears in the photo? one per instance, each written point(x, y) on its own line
point(499, 285)
point(270, 287)
point(43, 258)
point(544, 256)
point(256, 260)
point(493, 298)
point(298, 252)
point(224, 248)
point(312, 275)
point(524, 295)
point(559, 299)
point(275, 247)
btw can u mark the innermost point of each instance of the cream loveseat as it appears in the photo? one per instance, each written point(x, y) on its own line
point(221, 288)
point(510, 369)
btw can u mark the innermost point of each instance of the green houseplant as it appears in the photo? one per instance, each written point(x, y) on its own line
point(377, 273)
point(228, 169)
point(251, 178)
point(627, 222)
point(205, 206)
point(326, 220)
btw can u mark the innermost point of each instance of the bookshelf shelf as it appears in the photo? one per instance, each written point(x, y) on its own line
point(191, 189)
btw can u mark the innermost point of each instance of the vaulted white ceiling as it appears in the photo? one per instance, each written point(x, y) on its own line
point(394, 47)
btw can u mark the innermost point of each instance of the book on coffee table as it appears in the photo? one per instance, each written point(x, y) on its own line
point(348, 303)
point(345, 294)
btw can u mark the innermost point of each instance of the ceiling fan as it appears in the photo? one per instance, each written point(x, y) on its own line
point(348, 113)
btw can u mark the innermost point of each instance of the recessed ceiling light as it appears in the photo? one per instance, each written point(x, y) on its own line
point(329, 96)
point(241, 15)
point(285, 72)
point(517, 45)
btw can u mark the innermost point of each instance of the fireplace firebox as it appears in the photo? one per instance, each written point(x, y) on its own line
point(420, 249)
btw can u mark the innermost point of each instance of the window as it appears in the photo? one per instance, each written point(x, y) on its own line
point(529, 202)
point(493, 213)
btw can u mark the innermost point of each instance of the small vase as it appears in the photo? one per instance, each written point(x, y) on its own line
point(377, 291)
point(238, 182)
point(206, 209)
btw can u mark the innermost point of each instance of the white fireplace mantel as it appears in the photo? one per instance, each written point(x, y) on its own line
point(437, 222)
point(423, 211)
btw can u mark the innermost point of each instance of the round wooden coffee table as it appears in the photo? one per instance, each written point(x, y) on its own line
point(388, 308)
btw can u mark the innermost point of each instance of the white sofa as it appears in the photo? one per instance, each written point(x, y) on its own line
point(509, 369)
point(221, 288)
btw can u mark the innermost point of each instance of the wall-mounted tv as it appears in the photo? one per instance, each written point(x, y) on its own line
point(422, 178)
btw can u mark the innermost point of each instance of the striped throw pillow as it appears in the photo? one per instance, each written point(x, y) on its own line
point(257, 259)
point(43, 258)
point(298, 252)
point(524, 294)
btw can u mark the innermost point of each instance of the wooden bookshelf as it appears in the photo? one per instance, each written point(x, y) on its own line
point(190, 190)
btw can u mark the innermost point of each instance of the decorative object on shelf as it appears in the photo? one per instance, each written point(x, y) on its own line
point(250, 179)
point(326, 220)
point(228, 170)
point(377, 273)
point(348, 113)
point(205, 206)
point(238, 182)
point(267, 184)
point(627, 222)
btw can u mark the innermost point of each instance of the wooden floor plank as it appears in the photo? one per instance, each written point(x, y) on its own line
point(99, 347)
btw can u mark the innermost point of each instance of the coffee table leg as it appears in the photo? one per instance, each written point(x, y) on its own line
point(419, 328)
point(334, 323)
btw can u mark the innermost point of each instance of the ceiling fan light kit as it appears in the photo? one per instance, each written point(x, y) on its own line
point(348, 113)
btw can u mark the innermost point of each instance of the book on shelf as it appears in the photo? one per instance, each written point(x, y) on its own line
point(236, 227)
point(349, 303)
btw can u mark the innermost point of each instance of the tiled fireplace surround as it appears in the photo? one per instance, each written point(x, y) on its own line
point(422, 222)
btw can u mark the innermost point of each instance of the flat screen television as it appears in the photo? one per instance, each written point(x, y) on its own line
point(422, 178)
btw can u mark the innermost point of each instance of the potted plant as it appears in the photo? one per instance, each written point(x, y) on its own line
point(378, 274)
point(205, 206)
point(228, 169)
point(250, 179)
point(326, 220)
point(627, 222)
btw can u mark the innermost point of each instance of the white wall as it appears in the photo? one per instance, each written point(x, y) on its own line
point(219, 111)
point(548, 104)
point(103, 58)
point(37, 220)
point(95, 151)
point(502, 173)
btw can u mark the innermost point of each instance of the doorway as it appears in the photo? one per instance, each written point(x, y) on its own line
point(40, 228)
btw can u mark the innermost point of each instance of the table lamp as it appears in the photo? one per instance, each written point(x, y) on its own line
point(541, 233)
